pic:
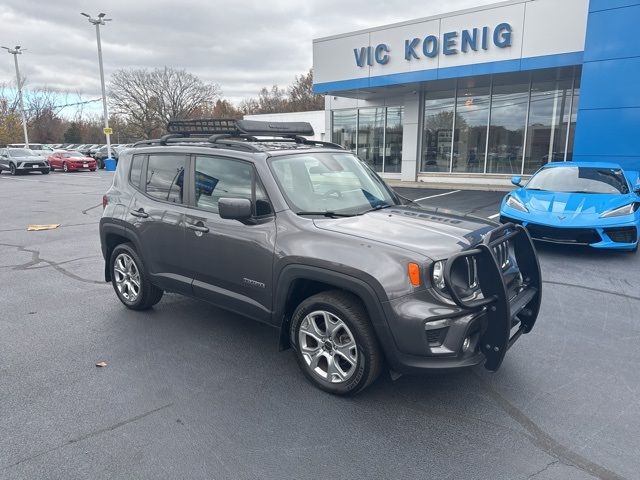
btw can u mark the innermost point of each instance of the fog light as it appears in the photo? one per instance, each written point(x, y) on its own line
point(466, 344)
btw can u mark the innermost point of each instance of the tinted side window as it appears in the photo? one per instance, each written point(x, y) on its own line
point(165, 177)
point(226, 178)
point(220, 177)
point(263, 206)
point(136, 170)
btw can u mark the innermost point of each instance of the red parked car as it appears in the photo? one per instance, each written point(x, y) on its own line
point(71, 162)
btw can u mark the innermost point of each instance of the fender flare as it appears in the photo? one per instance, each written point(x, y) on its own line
point(371, 296)
point(107, 228)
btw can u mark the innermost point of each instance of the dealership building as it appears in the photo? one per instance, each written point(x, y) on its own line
point(483, 94)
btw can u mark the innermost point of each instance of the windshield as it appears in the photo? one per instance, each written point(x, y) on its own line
point(580, 180)
point(22, 152)
point(329, 182)
point(73, 155)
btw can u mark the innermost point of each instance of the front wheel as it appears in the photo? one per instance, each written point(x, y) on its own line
point(65, 167)
point(130, 280)
point(12, 169)
point(335, 344)
point(45, 172)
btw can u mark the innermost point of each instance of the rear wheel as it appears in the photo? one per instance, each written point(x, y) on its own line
point(130, 279)
point(335, 344)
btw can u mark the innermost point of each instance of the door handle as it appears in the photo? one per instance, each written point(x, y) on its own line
point(140, 213)
point(198, 227)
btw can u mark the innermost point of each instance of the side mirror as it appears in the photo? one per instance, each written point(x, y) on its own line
point(637, 189)
point(235, 208)
point(517, 181)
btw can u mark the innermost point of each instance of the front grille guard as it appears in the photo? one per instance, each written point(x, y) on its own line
point(496, 339)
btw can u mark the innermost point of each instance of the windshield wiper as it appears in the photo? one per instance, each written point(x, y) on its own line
point(377, 207)
point(327, 214)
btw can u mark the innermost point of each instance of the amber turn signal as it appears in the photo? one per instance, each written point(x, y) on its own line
point(414, 274)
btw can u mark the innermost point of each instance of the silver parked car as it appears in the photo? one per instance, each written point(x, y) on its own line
point(21, 160)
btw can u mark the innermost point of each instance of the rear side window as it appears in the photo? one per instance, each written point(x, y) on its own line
point(165, 177)
point(136, 170)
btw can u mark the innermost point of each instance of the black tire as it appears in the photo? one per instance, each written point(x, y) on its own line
point(148, 294)
point(12, 169)
point(100, 164)
point(65, 168)
point(51, 169)
point(45, 172)
point(349, 309)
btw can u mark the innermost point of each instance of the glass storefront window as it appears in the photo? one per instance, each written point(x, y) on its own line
point(344, 124)
point(374, 134)
point(439, 107)
point(509, 103)
point(370, 137)
point(393, 140)
point(548, 116)
point(470, 134)
point(572, 125)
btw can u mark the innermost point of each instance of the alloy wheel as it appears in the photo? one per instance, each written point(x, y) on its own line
point(328, 347)
point(127, 277)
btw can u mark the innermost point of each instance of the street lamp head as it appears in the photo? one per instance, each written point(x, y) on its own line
point(17, 50)
point(96, 21)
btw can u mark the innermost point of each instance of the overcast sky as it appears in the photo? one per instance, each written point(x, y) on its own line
point(242, 45)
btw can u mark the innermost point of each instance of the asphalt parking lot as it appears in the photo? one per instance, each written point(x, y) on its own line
point(191, 391)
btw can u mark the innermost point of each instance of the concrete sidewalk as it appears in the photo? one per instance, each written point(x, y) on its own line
point(491, 184)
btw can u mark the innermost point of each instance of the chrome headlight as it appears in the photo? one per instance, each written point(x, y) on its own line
point(624, 210)
point(438, 274)
point(513, 202)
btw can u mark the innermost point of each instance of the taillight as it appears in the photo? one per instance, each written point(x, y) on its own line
point(105, 201)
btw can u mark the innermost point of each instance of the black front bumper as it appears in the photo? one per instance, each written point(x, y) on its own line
point(493, 323)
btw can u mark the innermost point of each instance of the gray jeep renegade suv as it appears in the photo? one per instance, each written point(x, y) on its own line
point(303, 236)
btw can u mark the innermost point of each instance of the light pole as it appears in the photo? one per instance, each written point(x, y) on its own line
point(15, 52)
point(100, 20)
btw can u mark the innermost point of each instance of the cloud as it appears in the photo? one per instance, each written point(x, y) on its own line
point(242, 45)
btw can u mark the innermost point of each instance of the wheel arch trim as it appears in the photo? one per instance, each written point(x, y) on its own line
point(343, 281)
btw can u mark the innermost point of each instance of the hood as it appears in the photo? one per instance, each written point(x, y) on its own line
point(571, 203)
point(29, 159)
point(434, 233)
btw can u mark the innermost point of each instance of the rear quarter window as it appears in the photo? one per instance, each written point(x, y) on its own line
point(136, 170)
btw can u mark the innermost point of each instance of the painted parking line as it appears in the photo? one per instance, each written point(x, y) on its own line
point(438, 195)
point(494, 216)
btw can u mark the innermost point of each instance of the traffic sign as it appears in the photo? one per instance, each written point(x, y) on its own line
point(107, 131)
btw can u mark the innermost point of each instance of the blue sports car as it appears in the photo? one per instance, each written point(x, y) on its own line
point(580, 203)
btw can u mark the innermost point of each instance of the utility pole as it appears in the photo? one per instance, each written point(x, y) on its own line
point(15, 52)
point(100, 20)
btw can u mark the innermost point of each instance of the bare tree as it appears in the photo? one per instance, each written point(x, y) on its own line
point(149, 98)
point(301, 96)
point(298, 97)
